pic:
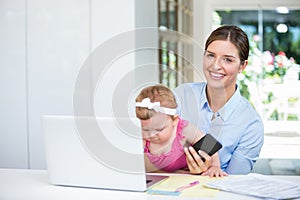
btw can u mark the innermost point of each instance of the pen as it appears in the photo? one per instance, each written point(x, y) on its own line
point(187, 186)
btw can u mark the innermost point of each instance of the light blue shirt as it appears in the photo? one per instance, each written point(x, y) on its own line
point(236, 125)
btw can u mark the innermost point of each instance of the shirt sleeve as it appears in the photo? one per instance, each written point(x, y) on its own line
point(248, 150)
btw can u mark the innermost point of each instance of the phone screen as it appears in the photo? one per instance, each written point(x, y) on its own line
point(208, 144)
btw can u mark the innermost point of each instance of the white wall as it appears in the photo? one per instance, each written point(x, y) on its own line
point(57, 43)
point(13, 85)
point(43, 45)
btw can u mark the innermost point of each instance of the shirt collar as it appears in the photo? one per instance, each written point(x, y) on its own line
point(231, 104)
point(204, 101)
point(228, 108)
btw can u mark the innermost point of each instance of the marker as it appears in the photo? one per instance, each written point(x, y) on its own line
point(187, 186)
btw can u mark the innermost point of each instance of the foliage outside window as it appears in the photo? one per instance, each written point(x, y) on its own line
point(265, 67)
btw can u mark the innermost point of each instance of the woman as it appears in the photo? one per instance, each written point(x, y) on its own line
point(217, 107)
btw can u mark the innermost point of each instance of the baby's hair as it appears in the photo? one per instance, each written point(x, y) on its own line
point(156, 93)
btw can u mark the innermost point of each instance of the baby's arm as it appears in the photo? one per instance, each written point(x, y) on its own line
point(192, 134)
point(148, 165)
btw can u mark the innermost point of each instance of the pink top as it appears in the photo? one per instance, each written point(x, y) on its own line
point(174, 159)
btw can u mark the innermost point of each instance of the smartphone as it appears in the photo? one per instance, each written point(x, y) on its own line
point(208, 144)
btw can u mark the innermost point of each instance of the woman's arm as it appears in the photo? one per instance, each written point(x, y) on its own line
point(247, 151)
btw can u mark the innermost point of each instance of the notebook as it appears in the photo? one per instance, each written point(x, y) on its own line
point(91, 152)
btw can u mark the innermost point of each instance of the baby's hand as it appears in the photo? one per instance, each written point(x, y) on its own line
point(214, 171)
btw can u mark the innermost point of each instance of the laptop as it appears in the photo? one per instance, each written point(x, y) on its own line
point(105, 153)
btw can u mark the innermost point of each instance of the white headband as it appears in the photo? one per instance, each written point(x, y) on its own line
point(146, 103)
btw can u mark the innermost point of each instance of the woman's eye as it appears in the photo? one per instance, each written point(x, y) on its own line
point(159, 130)
point(227, 60)
point(210, 55)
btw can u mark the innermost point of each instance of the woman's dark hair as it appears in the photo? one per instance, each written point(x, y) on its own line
point(233, 34)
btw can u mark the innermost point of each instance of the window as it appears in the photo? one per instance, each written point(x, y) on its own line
point(177, 16)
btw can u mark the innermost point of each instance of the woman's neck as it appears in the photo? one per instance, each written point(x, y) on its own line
point(218, 97)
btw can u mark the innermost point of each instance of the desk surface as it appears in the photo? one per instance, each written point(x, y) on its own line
point(33, 184)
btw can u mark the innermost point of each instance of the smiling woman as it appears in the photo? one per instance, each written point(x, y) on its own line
point(217, 107)
point(221, 66)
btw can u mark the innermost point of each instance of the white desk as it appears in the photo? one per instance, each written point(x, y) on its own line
point(18, 184)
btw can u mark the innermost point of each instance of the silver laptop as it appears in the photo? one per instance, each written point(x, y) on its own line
point(94, 152)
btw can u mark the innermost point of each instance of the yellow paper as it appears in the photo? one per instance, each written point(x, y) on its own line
point(177, 181)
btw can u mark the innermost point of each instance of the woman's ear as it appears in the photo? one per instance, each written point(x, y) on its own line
point(243, 66)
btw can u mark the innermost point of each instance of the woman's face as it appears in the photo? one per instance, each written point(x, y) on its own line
point(158, 129)
point(221, 64)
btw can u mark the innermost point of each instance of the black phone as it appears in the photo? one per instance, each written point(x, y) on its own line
point(208, 144)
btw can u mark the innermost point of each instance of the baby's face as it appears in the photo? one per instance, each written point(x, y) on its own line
point(158, 129)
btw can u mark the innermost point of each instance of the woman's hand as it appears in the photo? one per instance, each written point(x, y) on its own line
point(214, 171)
point(197, 166)
point(194, 161)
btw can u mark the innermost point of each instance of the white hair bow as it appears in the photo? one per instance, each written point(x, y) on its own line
point(146, 103)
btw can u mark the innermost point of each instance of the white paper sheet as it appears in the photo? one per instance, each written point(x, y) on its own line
point(258, 185)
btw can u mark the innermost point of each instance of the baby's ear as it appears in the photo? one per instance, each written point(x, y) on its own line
point(175, 117)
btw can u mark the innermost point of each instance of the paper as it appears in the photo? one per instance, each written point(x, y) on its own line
point(257, 185)
point(183, 185)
